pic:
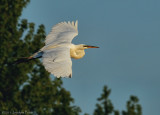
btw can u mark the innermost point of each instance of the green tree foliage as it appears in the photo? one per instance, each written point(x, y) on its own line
point(27, 87)
point(105, 106)
point(133, 107)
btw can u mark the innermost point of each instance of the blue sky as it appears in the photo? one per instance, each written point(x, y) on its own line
point(128, 60)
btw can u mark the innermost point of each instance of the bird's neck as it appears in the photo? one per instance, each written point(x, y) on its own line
point(77, 54)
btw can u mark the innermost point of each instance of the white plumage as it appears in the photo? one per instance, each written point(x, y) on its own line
point(58, 50)
point(62, 33)
point(58, 62)
point(56, 58)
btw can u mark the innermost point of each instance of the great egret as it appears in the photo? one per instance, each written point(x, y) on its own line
point(58, 50)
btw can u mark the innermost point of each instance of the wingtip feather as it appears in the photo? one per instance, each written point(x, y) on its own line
point(76, 24)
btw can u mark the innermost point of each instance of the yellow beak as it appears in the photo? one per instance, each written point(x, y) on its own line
point(91, 46)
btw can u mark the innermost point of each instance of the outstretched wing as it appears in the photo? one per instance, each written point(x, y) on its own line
point(56, 58)
point(62, 33)
point(57, 61)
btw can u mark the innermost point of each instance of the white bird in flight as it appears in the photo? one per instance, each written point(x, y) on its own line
point(58, 50)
